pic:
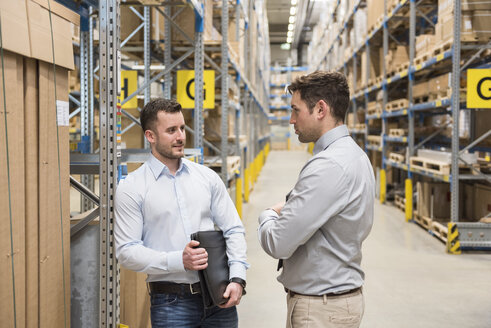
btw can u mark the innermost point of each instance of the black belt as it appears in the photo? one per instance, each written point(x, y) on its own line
point(346, 292)
point(161, 287)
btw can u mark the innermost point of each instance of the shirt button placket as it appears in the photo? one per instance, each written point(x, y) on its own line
point(181, 203)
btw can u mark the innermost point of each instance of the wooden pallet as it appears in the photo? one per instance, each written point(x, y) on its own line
point(376, 25)
point(421, 59)
point(423, 221)
point(440, 230)
point(402, 67)
point(436, 167)
point(398, 158)
point(360, 126)
point(442, 47)
point(484, 168)
point(430, 165)
point(397, 105)
point(215, 162)
point(400, 202)
point(374, 109)
point(391, 73)
point(422, 99)
point(397, 132)
point(374, 140)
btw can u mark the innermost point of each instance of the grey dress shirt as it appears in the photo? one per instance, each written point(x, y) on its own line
point(325, 220)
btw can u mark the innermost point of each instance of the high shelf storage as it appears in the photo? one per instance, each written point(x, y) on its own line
point(408, 73)
point(279, 106)
point(157, 42)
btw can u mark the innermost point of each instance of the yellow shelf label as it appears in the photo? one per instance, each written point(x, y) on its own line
point(404, 139)
point(478, 88)
point(378, 115)
point(419, 66)
point(389, 80)
point(439, 57)
point(438, 103)
point(446, 178)
point(404, 112)
point(403, 73)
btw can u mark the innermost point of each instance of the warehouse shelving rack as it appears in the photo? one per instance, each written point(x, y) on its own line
point(460, 235)
point(279, 122)
point(105, 160)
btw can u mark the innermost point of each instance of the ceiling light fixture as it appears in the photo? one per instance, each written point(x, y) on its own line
point(294, 2)
point(290, 34)
point(293, 11)
point(292, 19)
point(289, 40)
point(290, 27)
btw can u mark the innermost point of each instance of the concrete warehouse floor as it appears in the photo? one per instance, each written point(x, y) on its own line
point(410, 280)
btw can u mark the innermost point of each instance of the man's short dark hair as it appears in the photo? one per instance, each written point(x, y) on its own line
point(148, 115)
point(332, 87)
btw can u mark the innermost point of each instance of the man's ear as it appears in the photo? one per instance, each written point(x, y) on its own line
point(322, 109)
point(150, 136)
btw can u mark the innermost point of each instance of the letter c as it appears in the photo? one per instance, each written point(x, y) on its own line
point(479, 86)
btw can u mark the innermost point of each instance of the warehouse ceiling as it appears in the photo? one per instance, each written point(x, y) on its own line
point(278, 16)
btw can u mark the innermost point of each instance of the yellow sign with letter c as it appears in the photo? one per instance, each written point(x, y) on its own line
point(479, 88)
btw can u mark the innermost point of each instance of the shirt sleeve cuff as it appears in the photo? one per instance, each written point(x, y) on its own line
point(268, 214)
point(237, 270)
point(174, 262)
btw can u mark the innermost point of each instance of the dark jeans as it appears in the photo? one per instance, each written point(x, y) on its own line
point(187, 311)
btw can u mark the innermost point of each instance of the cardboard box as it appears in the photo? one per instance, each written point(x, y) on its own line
point(420, 89)
point(31, 120)
point(186, 21)
point(447, 6)
point(396, 57)
point(375, 64)
point(433, 199)
point(26, 30)
point(482, 121)
point(375, 13)
point(15, 29)
point(12, 194)
point(134, 299)
point(482, 201)
point(475, 26)
point(40, 33)
point(424, 44)
point(54, 186)
point(439, 85)
point(157, 26)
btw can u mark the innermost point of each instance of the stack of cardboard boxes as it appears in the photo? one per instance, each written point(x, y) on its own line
point(475, 23)
point(34, 162)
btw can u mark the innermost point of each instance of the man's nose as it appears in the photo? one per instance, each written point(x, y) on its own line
point(292, 120)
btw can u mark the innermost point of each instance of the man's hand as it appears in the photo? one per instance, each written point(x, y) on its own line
point(233, 293)
point(278, 207)
point(194, 258)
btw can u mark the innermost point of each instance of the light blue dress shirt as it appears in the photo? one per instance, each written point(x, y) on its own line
point(156, 212)
point(327, 217)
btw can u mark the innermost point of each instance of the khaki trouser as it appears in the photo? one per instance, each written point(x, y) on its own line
point(325, 311)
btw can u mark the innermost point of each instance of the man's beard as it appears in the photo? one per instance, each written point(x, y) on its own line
point(168, 153)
